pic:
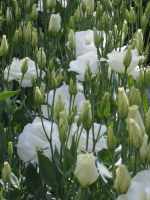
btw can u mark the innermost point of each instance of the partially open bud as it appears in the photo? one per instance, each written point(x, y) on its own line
point(135, 114)
point(86, 171)
point(123, 102)
point(111, 138)
point(54, 23)
point(135, 96)
point(122, 180)
point(144, 148)
point(6, 172)
point(38, 96)
point(135, 133)
point(127, 58)
point(24, 65)
point(86, 115)
point(41, 58)
point(4, 46)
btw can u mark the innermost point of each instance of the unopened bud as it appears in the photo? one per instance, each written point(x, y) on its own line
point(9, 15)
point(139, 41)
point(135, 133)
point(34, 13)
point(63, 126)
point(4, 46)
point(144, 148)
point(38, 96)
point(6, 172)
point(123, 103)
point(135, 114)
point(135, 96)
point(147, 120)
point(59, 106)
point(86, 115)
point(54, 23)
point(72, 87)
point(111, 138)
point(10, 149)
point(127, 58)
point(50, 4)
point(24, 65)
point(41, 58)
point(122, 180)
point(71, 39)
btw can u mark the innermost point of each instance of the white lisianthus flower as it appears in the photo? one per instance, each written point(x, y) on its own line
point(86, 171)
point(99, 131)
point(82, 62)
point(13, 72)
point(116, 61)
point(33, 139)
point(85, 42)
point(139, 188)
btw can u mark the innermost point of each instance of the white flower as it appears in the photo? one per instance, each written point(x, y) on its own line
point(86, 171)
point(13, 72)
point(85, 42)
point(33, 138)
point(116, 59)
point(101, 141)
point(139, 188)
point(82, 62)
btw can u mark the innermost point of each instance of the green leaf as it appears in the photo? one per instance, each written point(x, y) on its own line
point(47, 170)
point(7, 94)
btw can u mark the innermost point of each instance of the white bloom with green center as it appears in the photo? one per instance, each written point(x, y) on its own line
point(13, 72)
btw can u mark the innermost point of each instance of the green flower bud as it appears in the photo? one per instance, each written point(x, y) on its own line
point(135, 133)
point(132, 15)
point(9, 15)
point(72, 87)
point(59, 106)
point(97, 38)
point(86, 115)
point(50, 4)
point(27, 32)
point(6, 172)
point(139, 41)
point(38, 96)
point(123, 103)
point(104, 107)
point(124, 31)
point(24, 65)
point(4, 46)
point(111, 138)
point(127, 58)
point(54, 23)
point(71, 39)
point(135, 96)
point(147, 121)
point(122, 180)
point(34, 13)
point(10, 149)
point(41, 58)
point(34, 39)
point(144, 148)
point(89, 6)
point(63, 126)
point(135, 114)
